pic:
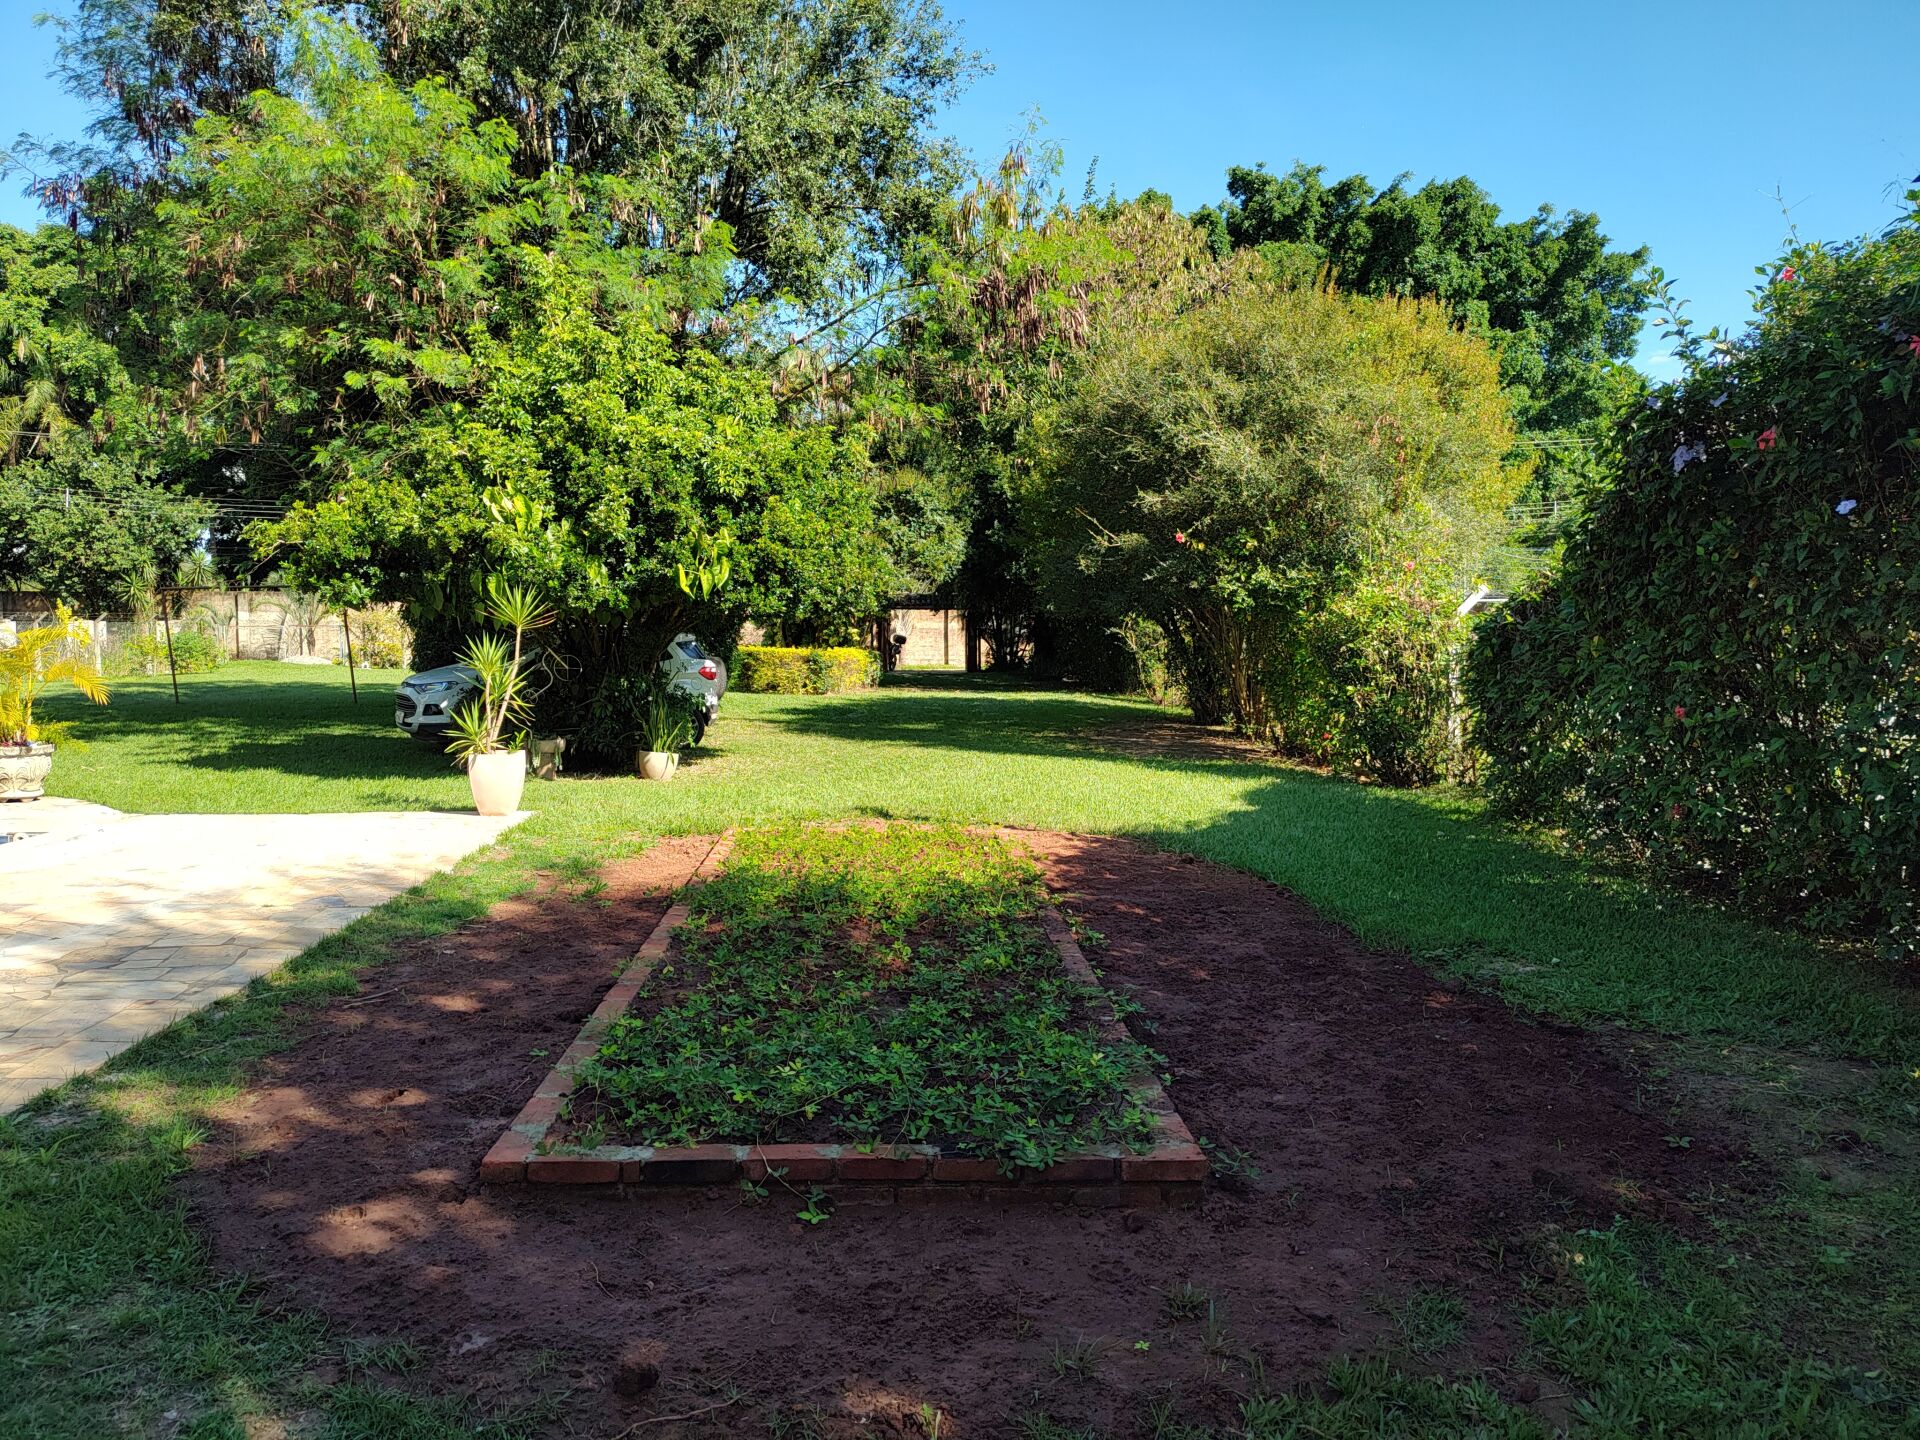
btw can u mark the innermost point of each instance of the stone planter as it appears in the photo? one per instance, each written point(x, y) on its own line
point(657, 764)
point(23, 770)
point(497, 780)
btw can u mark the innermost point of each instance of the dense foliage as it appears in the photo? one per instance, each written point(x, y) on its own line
point(1295, 487)
point(794, 670)
point(80, 518)
point(592, 459)
point(191, 651)
point(877, 986)
point(1725, 678)
point(1560, 305)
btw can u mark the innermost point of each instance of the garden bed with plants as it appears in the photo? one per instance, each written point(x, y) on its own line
point(883, 1006)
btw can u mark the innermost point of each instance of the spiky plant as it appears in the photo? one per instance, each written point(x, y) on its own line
point(499, 712)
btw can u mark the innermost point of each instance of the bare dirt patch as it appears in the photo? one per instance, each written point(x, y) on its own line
point(1397, 1125)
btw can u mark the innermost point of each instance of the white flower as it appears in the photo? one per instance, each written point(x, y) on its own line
point(1845, 507)
point(1719, 399)
point(1685, 454)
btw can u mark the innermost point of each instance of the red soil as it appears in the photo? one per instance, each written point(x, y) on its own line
point(1399, 1127)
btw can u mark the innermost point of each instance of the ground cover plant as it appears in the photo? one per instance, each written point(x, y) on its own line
point(878, 985)
point(110, 1314)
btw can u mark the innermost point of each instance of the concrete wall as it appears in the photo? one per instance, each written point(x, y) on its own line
point(251, 624)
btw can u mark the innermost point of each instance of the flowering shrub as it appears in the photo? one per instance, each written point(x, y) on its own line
point(1725, 677)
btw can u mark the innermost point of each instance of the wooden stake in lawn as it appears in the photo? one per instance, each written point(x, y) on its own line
point(346, 629)
point(166, 623)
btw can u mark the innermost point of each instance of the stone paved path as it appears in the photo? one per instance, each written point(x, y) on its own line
point(113, 926)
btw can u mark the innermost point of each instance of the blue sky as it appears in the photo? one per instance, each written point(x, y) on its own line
point(1677, 122)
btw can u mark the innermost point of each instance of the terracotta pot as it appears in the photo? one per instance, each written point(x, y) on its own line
point(497, 781)
point(23, 769)
point(657, 764)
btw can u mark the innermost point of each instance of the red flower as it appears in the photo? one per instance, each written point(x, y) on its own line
point(1769, 437)
point(1409, 565)
point(1789, 274)
point(1179, 537)
point(1679, 712)
point(1676, 810)
point(1913, 343)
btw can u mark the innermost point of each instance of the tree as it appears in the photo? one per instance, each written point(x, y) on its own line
point(84, 527)
point(803, 128)
point(1294, 485)
point(1562, 307)
point(82, 510)
point(1009, 295)
point(800, 125)
point(56, 374)
point(332, 251)
point(591, 458)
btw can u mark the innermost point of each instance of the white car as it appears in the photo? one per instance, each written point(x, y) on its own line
point(424, 704)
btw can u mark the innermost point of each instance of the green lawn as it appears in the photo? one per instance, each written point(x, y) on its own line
point(1426, 871)
point(1794, 1316)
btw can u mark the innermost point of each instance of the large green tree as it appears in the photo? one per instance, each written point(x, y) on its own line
point(329, 253)
point(1007, 298)
point(83, 512)
point(1295, 485)
point(802, 126)
point(1561, 304)
point(590, 457)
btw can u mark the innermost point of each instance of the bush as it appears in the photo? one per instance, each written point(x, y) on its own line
point(194, 652)
point(1364, 686)
point(1294, 487)
point(380, 640)
point(790, 670)
point(1724, 681)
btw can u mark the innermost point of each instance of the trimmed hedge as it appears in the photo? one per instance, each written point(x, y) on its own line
point(1724, 680)
point(791, 670)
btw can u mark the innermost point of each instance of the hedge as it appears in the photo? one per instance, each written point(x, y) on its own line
point(790, 670)
point(1724, 680)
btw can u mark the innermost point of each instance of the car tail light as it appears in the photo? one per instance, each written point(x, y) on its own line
point(709, 670)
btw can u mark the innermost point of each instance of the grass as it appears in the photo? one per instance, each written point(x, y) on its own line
point(1792, 1314)
point(1426, 871)
point(872, 986)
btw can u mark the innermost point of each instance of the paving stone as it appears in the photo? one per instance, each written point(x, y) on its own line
point(149, 917)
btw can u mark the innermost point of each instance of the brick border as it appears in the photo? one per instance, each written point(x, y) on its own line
point(1169, 1173)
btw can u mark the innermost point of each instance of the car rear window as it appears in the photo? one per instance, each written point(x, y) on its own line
point(691, 649)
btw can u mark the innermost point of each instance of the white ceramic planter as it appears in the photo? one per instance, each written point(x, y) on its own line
point(657, 764)
point(497, 781)
point(23, 770)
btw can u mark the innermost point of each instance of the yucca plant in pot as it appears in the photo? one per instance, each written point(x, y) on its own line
point(489, 734)
point(27, 667)
point(665, 730)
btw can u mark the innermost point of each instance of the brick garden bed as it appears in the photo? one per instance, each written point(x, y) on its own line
point(539, 1149)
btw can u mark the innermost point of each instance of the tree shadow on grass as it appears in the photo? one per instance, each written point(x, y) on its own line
point(1430, 872)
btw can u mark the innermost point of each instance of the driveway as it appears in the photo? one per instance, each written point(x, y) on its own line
point(113, 926)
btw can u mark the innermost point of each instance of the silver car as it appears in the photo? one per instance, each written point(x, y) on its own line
point(423, 706)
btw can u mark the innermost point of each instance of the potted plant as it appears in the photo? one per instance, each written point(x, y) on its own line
point(31, 663)
point(489, 730)
point(665, 728)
